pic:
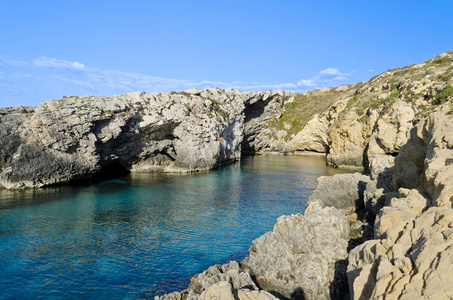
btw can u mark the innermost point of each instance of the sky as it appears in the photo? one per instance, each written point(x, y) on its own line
point(50, 49)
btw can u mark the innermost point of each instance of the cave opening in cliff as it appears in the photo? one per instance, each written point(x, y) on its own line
point(251, 126)
point(111, 171)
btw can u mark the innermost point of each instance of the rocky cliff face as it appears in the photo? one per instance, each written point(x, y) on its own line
point(75, 137)
point(383, 236)
point(355, 123)
point(388, 235)
point(410, 254)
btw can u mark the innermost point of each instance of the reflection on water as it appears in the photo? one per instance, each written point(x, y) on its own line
point(144, 234)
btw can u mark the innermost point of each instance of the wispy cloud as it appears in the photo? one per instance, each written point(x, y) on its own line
point(326, 77)
point(77, 82)
point(56, 77)
point(11, 62)
point(123, 81)
point(44, 61)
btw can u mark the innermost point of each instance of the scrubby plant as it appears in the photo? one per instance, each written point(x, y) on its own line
point(445, 77)
point(442, 60)
point(393, 95)
point(351, 102)
point(444, 95)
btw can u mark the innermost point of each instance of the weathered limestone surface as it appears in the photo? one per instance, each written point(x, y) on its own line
point(74, 137)
point(342, 191)
point(228, 281)
point(368, 119)
point(411, 255)
point(314, 136)
point(301, 256)
point(391, 131)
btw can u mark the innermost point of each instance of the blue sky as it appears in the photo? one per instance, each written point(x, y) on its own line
point(49, 49)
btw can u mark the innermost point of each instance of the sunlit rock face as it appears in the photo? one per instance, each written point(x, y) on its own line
point(75, 137)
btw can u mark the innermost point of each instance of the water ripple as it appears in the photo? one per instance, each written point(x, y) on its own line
point(146, 234)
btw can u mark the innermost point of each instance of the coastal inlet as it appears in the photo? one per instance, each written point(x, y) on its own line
point(144, 234)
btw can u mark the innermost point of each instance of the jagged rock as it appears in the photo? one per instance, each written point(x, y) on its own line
point(11, 119)
point(258, 111)
point(342, 191)
point(381, 170)
point(347, 141)
point(412, 257)
point(76, 137)
point(426, 160)
point(303, 256)
point(314, 137)
point(223, 291)
point(230, 273)
point(246, 294)
point(391, 130)
point(219, 290)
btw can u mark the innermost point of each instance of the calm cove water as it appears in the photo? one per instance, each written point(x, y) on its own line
point(144, 234)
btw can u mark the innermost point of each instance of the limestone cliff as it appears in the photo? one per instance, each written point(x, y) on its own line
point(388, 235)
point(352, 124)
point(398, 241)
point(76, 137)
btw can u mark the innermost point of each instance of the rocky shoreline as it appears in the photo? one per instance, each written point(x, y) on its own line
point(388, 235)
point(383, 236)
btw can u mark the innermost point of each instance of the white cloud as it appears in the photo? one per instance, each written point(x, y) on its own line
point(77, 82)
point(308, 82)
point(326, 77)
point(94, 80)
point(44, 61)
point(11, 62)
point(25, 76)
point(330, 71)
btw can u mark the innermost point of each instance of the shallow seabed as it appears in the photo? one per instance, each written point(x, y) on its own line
point(144, 234)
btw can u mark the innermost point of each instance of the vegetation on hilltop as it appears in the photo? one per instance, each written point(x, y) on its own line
point(424, 86)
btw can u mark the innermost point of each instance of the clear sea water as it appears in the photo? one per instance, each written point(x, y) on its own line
point(144, 234)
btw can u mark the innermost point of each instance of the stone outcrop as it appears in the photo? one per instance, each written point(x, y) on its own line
point(368, 119)
point(388, 236)
point(314, 136)
point(342, 191)
point(77, 137)
point(410, 255)
point(229, 281)
point(300, 257)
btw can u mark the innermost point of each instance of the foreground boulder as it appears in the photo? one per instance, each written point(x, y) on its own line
point(303, 256)
point(220, 282)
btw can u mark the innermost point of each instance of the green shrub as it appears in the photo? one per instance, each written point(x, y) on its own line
point(394, 85)
point(442, 60)
point(443, 96)
point(444, 77)
point(351, 102)
point(393, 96)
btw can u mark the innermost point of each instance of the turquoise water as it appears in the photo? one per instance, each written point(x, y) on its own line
point(144, 234)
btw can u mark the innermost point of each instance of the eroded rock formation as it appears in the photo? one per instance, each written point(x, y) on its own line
point(388, 236)
point(75, 137)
